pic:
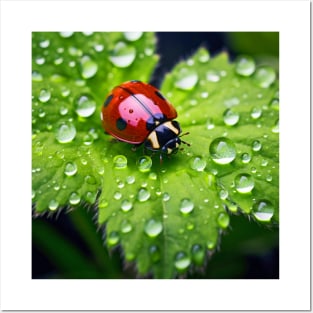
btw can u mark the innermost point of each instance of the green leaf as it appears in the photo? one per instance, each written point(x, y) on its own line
point(167, 216)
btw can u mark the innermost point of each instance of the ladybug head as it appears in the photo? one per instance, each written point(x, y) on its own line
point(165, 138)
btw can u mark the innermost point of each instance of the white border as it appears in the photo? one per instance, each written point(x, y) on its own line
point(291, 19)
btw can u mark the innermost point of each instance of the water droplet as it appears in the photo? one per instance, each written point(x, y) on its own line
point(130, 180)
point(263, 210)
point(153, 176)
point(53, 205)
point(222, 150)
point(211, 244)
point(44, 95)
point(256, 113)
point(91, 196)
point(231, 117)
point(126, 205)
point(40, 60)
point(89, 67)
point(186, 206)
point(245, 158)
point(113, 238)
point(244, 183)
point(66, 34)
point(65, 133)
point(155, 254)
point(74, 198)
point(153, 228)
point(132, 36)
point(103, 203)
point(245, 65)
point(223, 194)
point(210, 123)
point(122, 55)
point(33, 194)
point(91, 180)
point(166, 197)
point(274, 104)
point(213, 76)
point(182, 261)
point(198, 164)
point(120, 161)
point(144, 163)
point(203, 56)
point(223, 220)
point(117, 195)
point(36, 77)
point(143, 194)
point(186, 79)
point(264, 76)
point(197, 254)
point(85, 105)
point(275, 128)
point(126, 226)
point(70, 169)
point(44, 43)
point(256, 145)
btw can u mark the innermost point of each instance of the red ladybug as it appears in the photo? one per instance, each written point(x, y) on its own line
point(137, 113)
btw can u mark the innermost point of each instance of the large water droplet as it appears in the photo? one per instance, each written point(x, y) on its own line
point(264, 76)
point(182, 261)
point(153, 228)
point(223, 220)
point(186, 206)
point(70, 169)
point(197, 254)
point(263, 211)
point(231, 117)
point(245, 65)
point(256, 145)
point(53, 205)
point(256, 113)
point(186, 79)
point(122, 55)
point(91, 196)
point(244, 183)
point(133, 36)
point(89, 67)
point(222, 150)
point(65, 133)
point(126, 205)
point(144, 163)
point(245, 157)
point(143, 194)
point(126, 226)
point(203, 56)
point(74, 198)
point(198, 164)
point(44, 95)
point(120, 161)
point(213, 76)
point(85, 105)
point(113, 238)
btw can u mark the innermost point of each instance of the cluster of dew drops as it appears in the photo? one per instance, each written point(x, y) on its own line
point(222, 150)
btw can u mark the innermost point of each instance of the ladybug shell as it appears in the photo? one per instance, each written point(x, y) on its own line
point(133, 110)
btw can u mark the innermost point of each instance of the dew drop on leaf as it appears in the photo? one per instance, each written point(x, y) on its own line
point(230, 117)
point(65, 133)
point(274, 104)
point(74, 198)
point(182, 261)
point(198, 164)
point(153, 228)
point(113, 238)
point(120, 161)
point(66, 34)
point(186, 206)
point(53, 205)
point(143, 195)
point(203, 56)
point(89, 179)
point(70, 169)
point(275, 128)
point(130, 180)
point(117, 195)
point(85, 105)
point(186, 79)
point(223, 220)
point(197, 254)
point(244, 65)
point(44, 95)
point(222, 150)
point(264, 76)
point(89, 67)
point(213, 76)
point(154, 253)
point(144, 163)
point(256, 145)
point(256, 113)
point(245, 157)
point(263, 210)
point(36, 76)
point(122, 55)
point(91, 196)
point(132, 36)
point(244, 183)
point(126, 227)
point(126, 205)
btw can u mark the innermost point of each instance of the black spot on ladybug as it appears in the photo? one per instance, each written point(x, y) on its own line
point(121, 124)
point(131, 111)
point(160, 95)
point(108, 100)
point(154, 121)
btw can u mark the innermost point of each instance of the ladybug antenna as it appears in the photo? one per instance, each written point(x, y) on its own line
point(184, 142)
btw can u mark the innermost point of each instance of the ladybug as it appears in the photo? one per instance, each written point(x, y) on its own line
point(137, 113)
